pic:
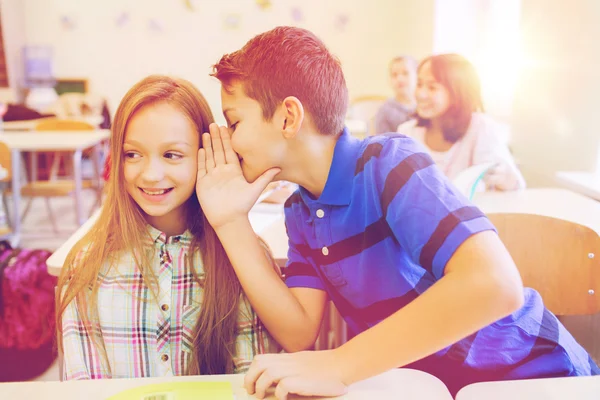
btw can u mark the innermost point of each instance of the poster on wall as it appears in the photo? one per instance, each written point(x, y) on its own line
point(122, 20)
point(67, 23)
point(297, 14)
point(341, 21)
point(263, 4)
point(231, 21)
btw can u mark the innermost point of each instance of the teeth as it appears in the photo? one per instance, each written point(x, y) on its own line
point(155, 192)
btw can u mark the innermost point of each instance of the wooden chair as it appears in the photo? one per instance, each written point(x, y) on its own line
point(365, 108)
point(5, 162)
point(53, 186)
point(557, 257)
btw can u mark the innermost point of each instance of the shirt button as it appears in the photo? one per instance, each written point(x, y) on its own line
point(164, 357)
point(325, 251)
point(320, 213)
point(164, 307)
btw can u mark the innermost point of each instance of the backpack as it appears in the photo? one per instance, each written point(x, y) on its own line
point(27, 326)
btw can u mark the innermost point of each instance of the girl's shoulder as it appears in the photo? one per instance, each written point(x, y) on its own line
point(487, 129)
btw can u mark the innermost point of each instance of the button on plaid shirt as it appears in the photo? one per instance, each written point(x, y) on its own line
point(143, 338)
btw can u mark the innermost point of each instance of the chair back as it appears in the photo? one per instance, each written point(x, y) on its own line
point(63, 125)
point(5, 162)
point(558, 258)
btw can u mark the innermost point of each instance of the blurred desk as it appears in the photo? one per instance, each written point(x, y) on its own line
point(550, 202)
point(71, 141)
point(29, 125)
point(407, 384)
point(586, 183)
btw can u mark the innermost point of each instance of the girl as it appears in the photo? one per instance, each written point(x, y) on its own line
point(398, 109)
point(451, 125)
point(149, 291)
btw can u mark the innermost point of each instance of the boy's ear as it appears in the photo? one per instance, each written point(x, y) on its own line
point(293, 113)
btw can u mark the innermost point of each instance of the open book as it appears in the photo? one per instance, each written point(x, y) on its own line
point(469, 179)
point(178, 391)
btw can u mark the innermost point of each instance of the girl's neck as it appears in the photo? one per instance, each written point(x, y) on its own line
point(434, 137)
point(172, 223)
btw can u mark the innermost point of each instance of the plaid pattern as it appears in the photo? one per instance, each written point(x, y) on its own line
point(145, 338)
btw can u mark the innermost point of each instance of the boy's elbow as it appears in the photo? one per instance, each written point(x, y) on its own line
point(509, 295)
point(301, 341)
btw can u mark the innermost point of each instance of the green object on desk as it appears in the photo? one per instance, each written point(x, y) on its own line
point(178, 391)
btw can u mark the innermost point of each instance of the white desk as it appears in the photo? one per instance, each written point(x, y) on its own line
point(29, 125)
point(550, 202)
point(576, 388)
point(406, 384)
point(586, 183)
point(72, 141)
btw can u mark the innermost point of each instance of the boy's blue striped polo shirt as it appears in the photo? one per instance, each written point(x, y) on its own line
point(381, 233)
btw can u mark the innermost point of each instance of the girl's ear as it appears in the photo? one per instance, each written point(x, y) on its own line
point(293, 116)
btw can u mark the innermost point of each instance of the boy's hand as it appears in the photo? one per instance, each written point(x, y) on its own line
point(307, 373)
point(223, 192)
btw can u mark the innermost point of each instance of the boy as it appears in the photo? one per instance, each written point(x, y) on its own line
point(418, 273)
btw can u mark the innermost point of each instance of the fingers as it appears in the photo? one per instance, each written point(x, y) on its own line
point(254, 372)
point(308, 387)
point(263, 383)
point(208, 152)
point(262, 181)
point(230, 155)
point(201, 163)
point(217, 144)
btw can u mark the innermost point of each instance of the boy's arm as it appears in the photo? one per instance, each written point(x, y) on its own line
point(292, 316)
point(480, 285)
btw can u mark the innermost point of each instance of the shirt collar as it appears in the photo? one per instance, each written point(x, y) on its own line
point(159, 237)
point(338, 188)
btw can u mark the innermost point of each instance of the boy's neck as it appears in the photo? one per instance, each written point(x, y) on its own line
point(310, 161)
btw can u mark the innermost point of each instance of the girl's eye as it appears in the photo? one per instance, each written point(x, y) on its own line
point(173, 156)
point(131, 155)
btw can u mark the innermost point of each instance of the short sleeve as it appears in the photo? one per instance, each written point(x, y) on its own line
point(427, 215)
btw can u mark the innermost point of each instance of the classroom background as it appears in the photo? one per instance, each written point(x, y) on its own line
point(537, 59)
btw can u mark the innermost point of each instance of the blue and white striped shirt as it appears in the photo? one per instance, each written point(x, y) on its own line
point(381, 234)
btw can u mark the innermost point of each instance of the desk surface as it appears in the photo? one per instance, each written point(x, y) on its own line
point(53, 140)
point(29, 125)
point(405, 383)
point(551, 202)
point(580, 388)
point(586, 183)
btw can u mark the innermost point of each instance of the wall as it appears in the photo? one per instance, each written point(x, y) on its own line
point(113, 58)
point(12, 13)
point(554, 121)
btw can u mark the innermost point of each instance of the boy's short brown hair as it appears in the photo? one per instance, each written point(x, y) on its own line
point(289, 61)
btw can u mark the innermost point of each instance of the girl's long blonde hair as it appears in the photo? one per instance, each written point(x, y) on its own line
point(121, 228)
